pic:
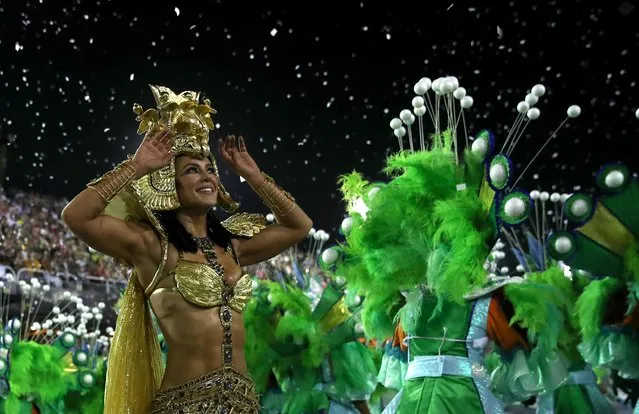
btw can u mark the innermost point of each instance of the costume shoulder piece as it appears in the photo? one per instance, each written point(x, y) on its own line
point(245, 224)
point(128, 205)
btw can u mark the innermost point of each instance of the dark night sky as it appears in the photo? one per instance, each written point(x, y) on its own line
point(312, 85)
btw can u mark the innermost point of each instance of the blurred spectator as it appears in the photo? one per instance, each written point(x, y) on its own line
point(32, 236)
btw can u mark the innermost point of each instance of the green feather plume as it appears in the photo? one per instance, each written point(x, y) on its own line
point(564, 299)
point(291, 298)
point(580, 282)
point(592, 304)
point(307, 332)
point(259, 327)
point(378, 313)
point(538, 308)
point(14, 404)
point(462, 226)
point(297, 324)
point(420, 208)
point(37, 371)
point(352, 186)
point(354, 369)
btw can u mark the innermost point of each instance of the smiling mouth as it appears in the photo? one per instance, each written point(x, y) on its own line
point(205, 191)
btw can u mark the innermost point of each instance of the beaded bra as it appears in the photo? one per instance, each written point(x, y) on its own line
point(204, 285)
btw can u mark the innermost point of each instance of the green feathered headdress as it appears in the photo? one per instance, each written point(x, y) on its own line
point(400, 226)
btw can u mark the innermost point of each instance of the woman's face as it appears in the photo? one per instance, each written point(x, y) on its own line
point(196, 182)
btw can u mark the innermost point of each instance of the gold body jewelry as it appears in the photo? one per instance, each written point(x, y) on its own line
point(111, 183)
point(279, 201)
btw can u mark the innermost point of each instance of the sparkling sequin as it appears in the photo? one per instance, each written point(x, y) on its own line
point(479, 370)
point(201, 285)
point(477, 331)
point(222, 391)
point(208, 248)
point(245, 224)
point(135, 360)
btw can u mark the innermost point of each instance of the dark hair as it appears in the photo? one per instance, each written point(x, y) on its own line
point(183, 240)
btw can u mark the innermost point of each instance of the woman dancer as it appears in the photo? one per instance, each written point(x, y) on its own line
point(186, 262)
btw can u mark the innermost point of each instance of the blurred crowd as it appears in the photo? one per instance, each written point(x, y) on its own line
point(290, 264)
point(34, 239)
point(33, 236)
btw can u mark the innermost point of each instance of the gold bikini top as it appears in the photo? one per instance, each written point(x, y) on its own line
point(202, 285)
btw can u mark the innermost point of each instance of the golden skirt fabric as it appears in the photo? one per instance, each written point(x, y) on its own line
point(223, 391)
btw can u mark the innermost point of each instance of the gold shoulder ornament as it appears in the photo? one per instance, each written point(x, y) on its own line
point(245, 224)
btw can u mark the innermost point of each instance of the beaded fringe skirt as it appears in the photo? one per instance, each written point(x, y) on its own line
point(223, 391)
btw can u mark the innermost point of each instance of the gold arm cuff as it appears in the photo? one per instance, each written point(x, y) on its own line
point(279, 201)
point(111, 183)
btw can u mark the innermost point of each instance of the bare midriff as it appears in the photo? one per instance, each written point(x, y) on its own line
point(194, 339)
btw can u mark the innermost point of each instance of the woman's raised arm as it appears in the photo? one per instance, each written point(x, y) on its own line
point(121, 239)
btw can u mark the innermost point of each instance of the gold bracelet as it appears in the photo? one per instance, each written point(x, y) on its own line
point(111, 183)
point(279, 201)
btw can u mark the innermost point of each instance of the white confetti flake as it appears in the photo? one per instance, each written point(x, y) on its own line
point(273, 32)
point(177, 11)
point(132, 76)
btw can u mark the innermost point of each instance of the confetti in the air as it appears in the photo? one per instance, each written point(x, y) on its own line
point(319, 91)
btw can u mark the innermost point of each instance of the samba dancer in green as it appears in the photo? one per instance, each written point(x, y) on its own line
point(416, 251)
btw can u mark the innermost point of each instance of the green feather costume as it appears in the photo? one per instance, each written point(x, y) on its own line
point(55, 377)
point(55, 365)
point(417, 252)
point(316, 362)
point(416, 248)
point(602, 246)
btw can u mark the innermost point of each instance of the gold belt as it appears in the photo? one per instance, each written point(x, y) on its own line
point(223, 391)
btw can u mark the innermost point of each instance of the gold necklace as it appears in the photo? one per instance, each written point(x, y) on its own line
point(226, 317)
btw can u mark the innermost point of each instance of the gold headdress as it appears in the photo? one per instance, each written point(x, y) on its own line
point(191, 122)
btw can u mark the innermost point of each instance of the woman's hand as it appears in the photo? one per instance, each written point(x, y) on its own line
point(154, 152)
point(234, 153)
